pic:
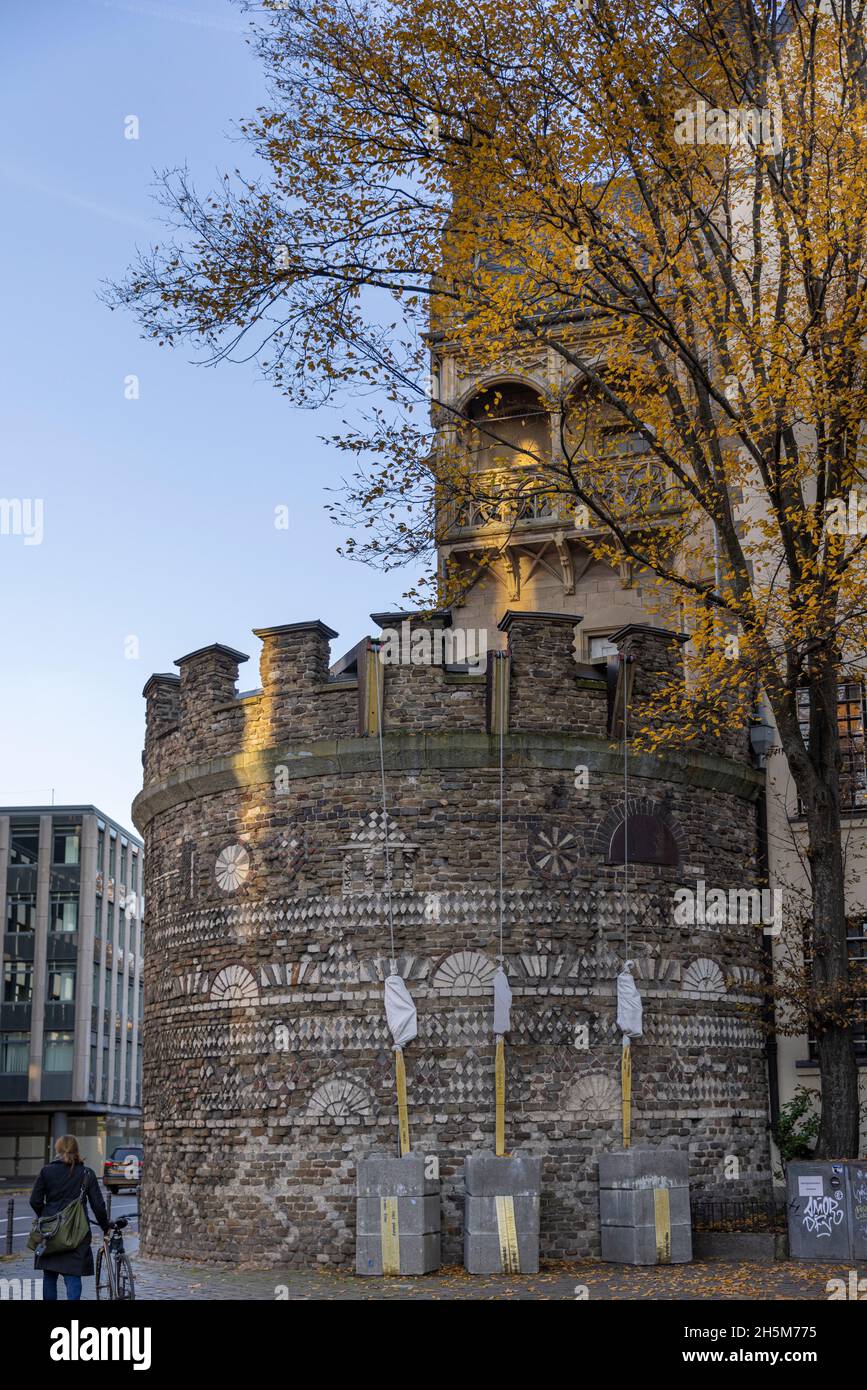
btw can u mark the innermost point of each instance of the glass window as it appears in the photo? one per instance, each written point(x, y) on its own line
point(67, 844)
point(111, 922)
point(24, 842)
point(100, 849)
point(14, 1053)
point(600, 647)
point(112, 852)
point(850, 730)
point(97, 915)
point(61, 983)
point(58, 1052)
point(133, 872)
point(21, 912)
point(17, 982)
point(63, 912)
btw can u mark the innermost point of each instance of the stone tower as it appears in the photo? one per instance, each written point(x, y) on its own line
point(268, 1063)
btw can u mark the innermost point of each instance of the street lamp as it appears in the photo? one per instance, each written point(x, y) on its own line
point(761, 739)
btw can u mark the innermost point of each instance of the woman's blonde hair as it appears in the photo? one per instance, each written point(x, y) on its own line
point(67, 1149)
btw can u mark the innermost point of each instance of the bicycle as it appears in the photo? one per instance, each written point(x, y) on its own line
point(114, 1281)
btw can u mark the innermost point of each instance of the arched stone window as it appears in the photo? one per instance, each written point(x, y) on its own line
point(646, 838)
point(506, 444)
point(653, 834)
point(507, 428)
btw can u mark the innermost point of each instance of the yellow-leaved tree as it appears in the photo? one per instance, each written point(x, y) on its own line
point(669, 197)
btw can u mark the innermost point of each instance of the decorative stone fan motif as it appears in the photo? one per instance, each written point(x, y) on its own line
point(704, 977)
point(340, 1099)
point(234, 985)
point(553, 853)
point(594, 1098)
point(462, 971)
point(232, 867)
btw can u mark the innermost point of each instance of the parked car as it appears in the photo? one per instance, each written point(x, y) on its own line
point(123, 1169)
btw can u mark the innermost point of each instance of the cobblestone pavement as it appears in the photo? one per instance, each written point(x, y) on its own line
point(590, 1279)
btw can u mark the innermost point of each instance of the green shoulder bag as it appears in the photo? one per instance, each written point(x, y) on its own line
point(50, 1235)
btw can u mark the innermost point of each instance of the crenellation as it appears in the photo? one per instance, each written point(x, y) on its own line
point(546, 691)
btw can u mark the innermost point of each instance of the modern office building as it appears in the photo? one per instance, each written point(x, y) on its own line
point(72, 992)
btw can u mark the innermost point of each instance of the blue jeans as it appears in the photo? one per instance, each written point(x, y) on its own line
point(49, 1286)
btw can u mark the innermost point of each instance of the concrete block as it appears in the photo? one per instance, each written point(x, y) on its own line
point(480, 1214)
point(482, 1254)
point(737, 1247)
point(485, 1175)
point(636, 1245)
point(418, 1254)
point(635, 1206)
point(386, 1175)
point(644, 1166)
point(416, 1216)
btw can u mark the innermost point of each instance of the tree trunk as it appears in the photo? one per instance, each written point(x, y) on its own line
point(838, 1068)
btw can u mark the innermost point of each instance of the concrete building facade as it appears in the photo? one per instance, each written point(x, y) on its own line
point(71, 941)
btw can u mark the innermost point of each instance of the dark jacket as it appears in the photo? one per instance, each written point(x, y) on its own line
point(57, 1185)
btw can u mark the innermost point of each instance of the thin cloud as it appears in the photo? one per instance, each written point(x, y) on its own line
point(25, 180)
point(199, 21)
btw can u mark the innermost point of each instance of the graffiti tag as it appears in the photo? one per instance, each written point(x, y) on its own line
point(821, 1214)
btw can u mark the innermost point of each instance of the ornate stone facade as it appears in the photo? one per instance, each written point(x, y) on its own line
point(268, 1063)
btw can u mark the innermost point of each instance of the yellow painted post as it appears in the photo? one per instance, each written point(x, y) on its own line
point(626, 1091)
point(662, 1222)
point(500, 1099)
point(389, 1235)
point(507, 1231)
point(402, 1113)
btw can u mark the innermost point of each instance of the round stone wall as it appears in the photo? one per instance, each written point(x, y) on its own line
point(268, 1065)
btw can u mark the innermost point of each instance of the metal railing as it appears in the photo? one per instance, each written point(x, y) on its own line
point(738, 1214)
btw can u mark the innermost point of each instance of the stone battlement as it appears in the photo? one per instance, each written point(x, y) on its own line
point(199, 715)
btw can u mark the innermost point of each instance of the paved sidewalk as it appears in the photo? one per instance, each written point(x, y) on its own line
point(176, 1281)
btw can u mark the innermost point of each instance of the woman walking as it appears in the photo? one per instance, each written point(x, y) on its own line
point(60, 1183)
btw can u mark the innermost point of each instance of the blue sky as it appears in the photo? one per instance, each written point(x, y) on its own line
point(158, 513)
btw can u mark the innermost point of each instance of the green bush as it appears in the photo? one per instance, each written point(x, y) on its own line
point(797, 1128)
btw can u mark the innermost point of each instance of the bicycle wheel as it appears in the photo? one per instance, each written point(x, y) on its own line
point(103, 1279)
point(124, 1279)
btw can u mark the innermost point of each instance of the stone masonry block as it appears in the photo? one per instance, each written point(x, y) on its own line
point(385, 1175)
point(482, 1253)
point(480, 1215)
point(634, 1207)
point(416, 1216)
point(486, 1175)
point(644, 1167)
point(418, 1254)
point(636, 1245)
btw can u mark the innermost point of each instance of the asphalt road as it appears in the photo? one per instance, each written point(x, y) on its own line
point(124, 1204)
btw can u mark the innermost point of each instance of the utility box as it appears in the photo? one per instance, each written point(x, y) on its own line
point(397, 1214)
point(857, 1170)
point(501, 1213)
point(820, 1209)
point(644, 1216)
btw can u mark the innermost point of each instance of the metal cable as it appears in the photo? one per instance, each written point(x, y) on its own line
point(375, 649)
point(625, 818)
point(502, 716)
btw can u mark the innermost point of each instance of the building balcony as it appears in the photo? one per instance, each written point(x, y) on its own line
point(634, 492)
